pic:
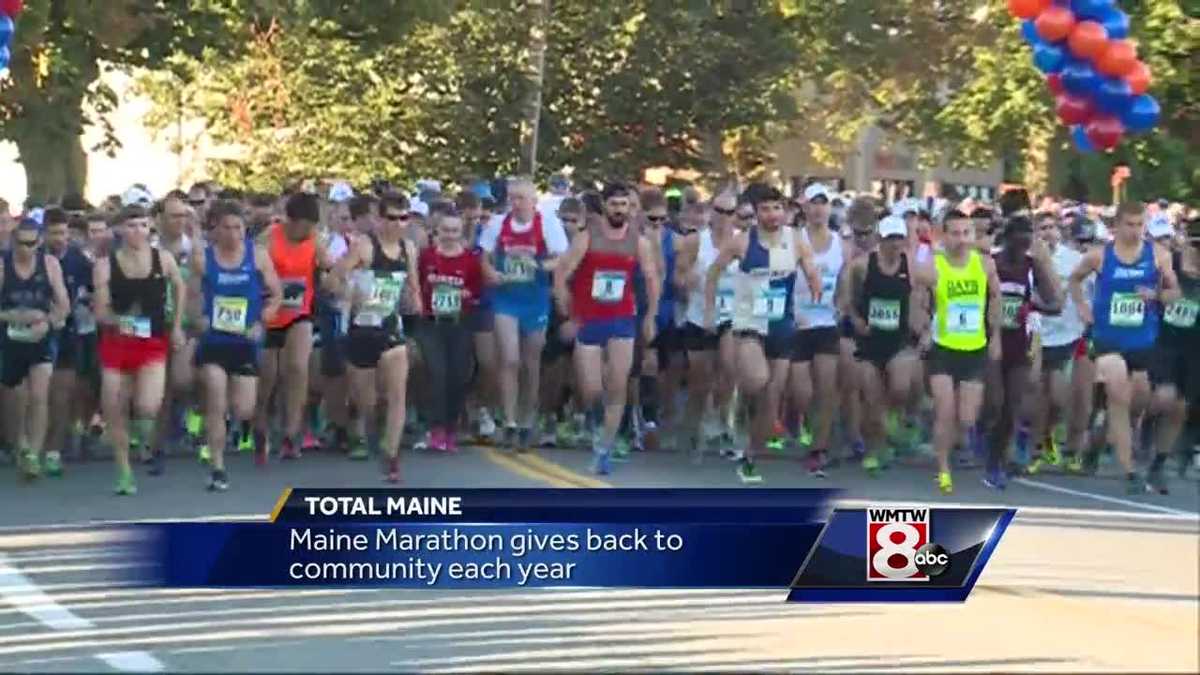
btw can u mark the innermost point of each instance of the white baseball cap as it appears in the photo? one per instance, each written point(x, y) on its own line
point(904, 207)
point(816, 190)
point(1159, 225)
point(893, 226)
point(340, 192)
point(139, 196)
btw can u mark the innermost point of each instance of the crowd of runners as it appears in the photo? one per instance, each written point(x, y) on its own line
point(844, 331)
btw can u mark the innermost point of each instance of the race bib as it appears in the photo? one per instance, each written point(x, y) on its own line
point(724, 304)
point(293, 292)
point(229, 314)
point(608, 287)
point(385, 293)
point(1011, 309)
point(368, 320)
point(21, 332)
point(770, 303)
point(1182, 313)
point(828, 284)
point(85, 321)
point(884, 314)
point(134, 326)
point(964, 318)
point(520, 268)
point(1127, 310)
point(447, 300)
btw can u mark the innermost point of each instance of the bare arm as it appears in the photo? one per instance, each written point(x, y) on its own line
point(1168, 283)
point(804, 257)
point(648, 257)
point(270, 279)
point(61, 306)
point(995, 308)
point(171, 271)
point(1089, 265)
point(102, 297)
point(413, 282)
point(567, 264)
point(1046, 281)
point(685, 263)
point(733, 249)
point(195, 288)
point(924, 280)
point(850, 292)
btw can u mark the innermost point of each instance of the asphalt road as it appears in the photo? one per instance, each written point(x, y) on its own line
point(1086, 579)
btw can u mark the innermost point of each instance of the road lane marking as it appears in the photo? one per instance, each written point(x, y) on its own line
point(527, 471)
point(18, 591)
point(1105, 498)
point(552, 467)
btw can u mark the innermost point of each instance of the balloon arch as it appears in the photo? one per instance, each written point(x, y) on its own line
point(1091, 67)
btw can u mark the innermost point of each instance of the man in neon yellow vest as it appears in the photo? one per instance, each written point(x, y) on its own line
point(965, 334)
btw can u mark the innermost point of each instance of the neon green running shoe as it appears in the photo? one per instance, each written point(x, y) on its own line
point(804, 439)
point(872, 465)
point(358, 450)
point(53, 464)
point(203, 454)
point(31, 464)
point(777, 445)
point(193, 422)
point(125, 483)
point(945, 482)
point(620, 451)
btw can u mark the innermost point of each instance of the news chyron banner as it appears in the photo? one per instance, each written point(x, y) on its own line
point(798, 541)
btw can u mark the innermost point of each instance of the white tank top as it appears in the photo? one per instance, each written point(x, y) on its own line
point(705, 257)
point(756, 302)
point(829, 265)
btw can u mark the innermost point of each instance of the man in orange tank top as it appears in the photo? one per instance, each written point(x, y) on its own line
point(300, 263)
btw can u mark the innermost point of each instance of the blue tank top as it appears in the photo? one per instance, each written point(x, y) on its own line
point(1123, 320)
point(666, 304)
point(232, 297)
point(758, 257)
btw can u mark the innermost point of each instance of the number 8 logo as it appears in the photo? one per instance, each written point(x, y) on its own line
point(881, 561)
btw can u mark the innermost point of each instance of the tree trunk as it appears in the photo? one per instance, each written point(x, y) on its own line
point(55, 163)
point(538, 12)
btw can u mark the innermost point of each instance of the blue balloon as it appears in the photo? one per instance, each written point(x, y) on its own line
point(6, 29)
point(1090, 9)
point(3, 57)
point(1082, 143)
point(1049, 58)
point(1029, 32)
point(1113, 95)
point(1079, 77)
point(1116, 23)
point(1143, 114)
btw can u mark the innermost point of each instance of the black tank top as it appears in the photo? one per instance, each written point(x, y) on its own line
point(381, 263)
point(884, 302)
point(31, 293)
point(381, 310)
point(1180, 325)
point(145, 297)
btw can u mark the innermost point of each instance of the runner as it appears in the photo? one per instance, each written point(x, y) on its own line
point(476, 215)
point(763, 321)
point(710, 355)
point(598, 270)
point(1021, 264)
point(174, 219)
point(1178, 382)
point(1061, 333)
point(379, 267)
point(965, 287)
point(33, 306)
point(300, 263)
point(1133, 277)
point(233, 289)
point(878, 299)
point(522, 250)
point(131, 297)
point(814, 372)
point(76, 344)
point(451, 279)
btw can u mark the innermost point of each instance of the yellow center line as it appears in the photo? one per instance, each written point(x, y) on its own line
point(533, 466)
point(553, 468)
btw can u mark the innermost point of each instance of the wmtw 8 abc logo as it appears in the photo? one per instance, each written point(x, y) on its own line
point(899, 546)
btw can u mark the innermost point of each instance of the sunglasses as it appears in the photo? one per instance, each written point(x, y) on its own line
point(197, 202)
point(746, 216)
point(863, 234)
point(725, 212)
point(395, 217)
point(656, 219)
point(569, 221)
point(30, 243)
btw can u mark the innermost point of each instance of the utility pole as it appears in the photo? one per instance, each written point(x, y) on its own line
point(539, 13)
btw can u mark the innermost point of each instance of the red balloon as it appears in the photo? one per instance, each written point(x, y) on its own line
point(1027, 9)
point(1074, 110)
point(1139, 78)
point(1104, 132)
point(1118, 58)
point(12, 7)
point(1055, 24)
point(1054, 81)
point(1088, 40)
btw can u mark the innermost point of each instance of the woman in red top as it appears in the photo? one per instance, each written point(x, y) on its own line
point(451, 278)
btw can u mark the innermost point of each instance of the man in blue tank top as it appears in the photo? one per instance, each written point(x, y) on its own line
point(233, 288)
point(1134, 280)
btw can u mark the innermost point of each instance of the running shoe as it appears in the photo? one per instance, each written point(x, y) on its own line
point(204, 454)
point(1135, 484)
point(747, 472)
point(524, 440)
point(31, 465)
point(437, 439)
point(1073, 463)
point(805, 437)
point(288, 449)
point(945, 482)
point(621, 450)
point(310, 442)
point(245, 443)
point(1022, 445)
point(815, 464)
point(391, 472)
point(858, 450)
point(486, 425)
point(777, 445)
point(995, 478)
point(53, 464)
point(358, 450)
point(1090, 462)
point(125, 483)
point(158, 463)
point(218, 481)
point(872, 465)
point(733, 454)
point(649, 438)
point(601, 465)
point(508, 439)
point(193, 423)
point(566, 435)
point(1156, 478)
point(260, 448)
point(451, 441)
